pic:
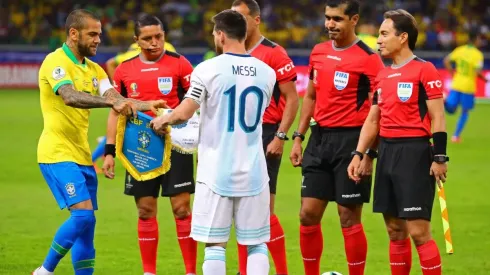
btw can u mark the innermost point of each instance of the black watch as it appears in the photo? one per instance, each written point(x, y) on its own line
point(282, 136)
point(356, 153)
point(371, 153)
point(441, 159)
point(297, 134)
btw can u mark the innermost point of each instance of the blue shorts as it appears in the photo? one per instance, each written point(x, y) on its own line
point(71, 183)
point(456, 98)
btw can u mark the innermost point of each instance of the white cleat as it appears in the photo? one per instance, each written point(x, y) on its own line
point(41, 271)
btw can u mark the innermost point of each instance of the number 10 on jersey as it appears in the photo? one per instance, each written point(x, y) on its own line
point(242, 101)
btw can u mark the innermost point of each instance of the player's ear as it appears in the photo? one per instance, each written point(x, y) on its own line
point(403, 37)
point(135, 38)
point(257, 20)
point(354, 19)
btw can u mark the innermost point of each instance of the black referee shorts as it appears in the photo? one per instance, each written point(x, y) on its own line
point(179, 179)
point(273, 164)
point(403, 185)
point(324, 168)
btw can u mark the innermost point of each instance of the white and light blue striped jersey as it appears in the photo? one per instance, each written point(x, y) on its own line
point(232, 91)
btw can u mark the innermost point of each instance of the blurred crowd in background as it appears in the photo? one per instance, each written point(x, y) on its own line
point(443, 24)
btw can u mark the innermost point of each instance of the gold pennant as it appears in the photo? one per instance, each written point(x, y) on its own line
point(164, 168)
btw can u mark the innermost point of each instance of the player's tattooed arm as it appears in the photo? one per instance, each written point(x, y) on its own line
point(76, 99)
point(113, 94)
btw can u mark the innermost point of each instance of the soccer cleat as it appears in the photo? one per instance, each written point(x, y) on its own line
point(37, 271)
point(455, 139)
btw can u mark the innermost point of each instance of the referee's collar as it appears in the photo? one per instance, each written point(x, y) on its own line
point(70, 55)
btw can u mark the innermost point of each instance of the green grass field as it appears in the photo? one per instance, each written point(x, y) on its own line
point(30, 217)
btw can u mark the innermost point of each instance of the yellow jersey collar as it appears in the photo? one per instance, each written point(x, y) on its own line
point(70, 55)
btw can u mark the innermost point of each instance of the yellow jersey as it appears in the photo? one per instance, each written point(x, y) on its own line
point(134, 50)
point(468, 61)
point(65, 133)
point(369, 40)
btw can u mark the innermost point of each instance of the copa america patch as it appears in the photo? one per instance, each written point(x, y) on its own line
point(340, 80)
point(404, 90)
point(58, 73)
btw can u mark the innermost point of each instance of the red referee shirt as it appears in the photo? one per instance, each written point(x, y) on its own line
point(168, 78)
point(277, 58)
point(343, 79)
point(401, 94)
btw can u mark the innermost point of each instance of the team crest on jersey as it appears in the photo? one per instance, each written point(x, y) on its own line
point(70, 189)
point(134, 89)
point(95, 82)
point(165, 85)
point(340, 80)
point(404, 90)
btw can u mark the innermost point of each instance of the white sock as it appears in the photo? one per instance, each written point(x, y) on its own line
point(214, 261)
point(258, 260)
point(148, 273)
point(43, 271)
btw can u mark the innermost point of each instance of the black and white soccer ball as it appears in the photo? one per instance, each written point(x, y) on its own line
point(331, 273)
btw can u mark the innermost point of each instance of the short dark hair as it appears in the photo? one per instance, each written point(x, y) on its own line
point(403, 21)
point(473, 34)
point(144, 20)
point(232, 23)
point(252, 6)
point(76, 19)
point(353, 6)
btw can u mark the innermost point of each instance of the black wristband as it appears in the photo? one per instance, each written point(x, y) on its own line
point(110, 149)
point(440, 143)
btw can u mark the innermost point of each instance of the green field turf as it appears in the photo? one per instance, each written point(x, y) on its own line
point(29, 216)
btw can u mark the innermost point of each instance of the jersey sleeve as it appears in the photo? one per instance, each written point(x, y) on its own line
point(197, 90)
point(431, 81)
point(283, 66)
point(118, 80)
point(479, 61)
point(454, 55)
point(271, 82)
point(376, 89)
point(185, 72)
point(311, 68)
point(104, 82)
point(374, 65)
point(55, 72)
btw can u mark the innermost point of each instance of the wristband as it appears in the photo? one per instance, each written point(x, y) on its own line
point(440, 143)
point(110, 149)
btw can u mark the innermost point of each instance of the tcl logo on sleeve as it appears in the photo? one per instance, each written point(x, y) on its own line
point(286, 68)
point(187, 78)
point(436, 83)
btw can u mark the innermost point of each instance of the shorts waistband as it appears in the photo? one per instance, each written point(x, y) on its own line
point(406, 140)
point(270, 126)
point(338, 129)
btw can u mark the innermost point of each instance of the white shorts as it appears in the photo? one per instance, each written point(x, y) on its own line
point(212, 216)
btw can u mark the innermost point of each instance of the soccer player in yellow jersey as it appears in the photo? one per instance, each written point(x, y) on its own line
point(469, 63)
point(70, 84)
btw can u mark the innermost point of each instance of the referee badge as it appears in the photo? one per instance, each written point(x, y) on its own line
point(404, 90)
point(165, 85)
point(340, 80)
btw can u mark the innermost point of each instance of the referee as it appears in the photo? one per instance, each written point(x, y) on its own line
point(342, 73)
point(407, 104)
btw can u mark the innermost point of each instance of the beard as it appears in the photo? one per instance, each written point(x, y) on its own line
point(85, 50)
point(219, 49)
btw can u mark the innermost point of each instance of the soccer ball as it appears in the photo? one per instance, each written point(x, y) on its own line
point(332, 273)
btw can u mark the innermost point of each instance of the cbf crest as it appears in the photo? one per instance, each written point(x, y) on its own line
point(165, 85)
point(404, 91)
point(143, 139)
point(340, 80)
